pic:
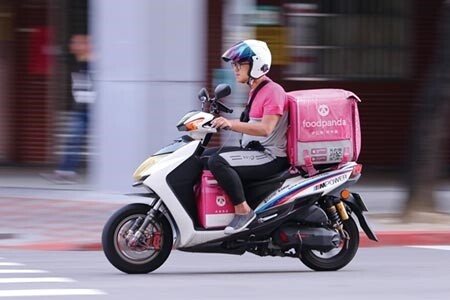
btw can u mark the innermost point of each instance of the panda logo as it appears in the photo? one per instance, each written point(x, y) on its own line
point(323, 110)
point(221, 201)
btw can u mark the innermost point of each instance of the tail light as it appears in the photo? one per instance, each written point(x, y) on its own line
point(356, 170)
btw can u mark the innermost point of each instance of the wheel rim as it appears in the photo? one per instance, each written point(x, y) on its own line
point(145, 251)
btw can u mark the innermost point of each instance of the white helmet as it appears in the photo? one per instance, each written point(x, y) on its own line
point(255, 52)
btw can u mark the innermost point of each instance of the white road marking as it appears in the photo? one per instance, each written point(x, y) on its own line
point(33, 280)
point(9, 264)
point(49, 292)
point(17, 271)
point(446, 248)
point(38, 292)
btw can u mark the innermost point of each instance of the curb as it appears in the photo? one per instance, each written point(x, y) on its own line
point(56, 247)
point(406, 238)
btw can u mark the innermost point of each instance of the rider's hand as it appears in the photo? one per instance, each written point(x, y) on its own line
point(221, 123)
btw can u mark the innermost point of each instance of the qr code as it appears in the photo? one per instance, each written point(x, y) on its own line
point(335, 154)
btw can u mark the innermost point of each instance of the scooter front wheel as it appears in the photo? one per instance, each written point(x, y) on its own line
point(136, 255)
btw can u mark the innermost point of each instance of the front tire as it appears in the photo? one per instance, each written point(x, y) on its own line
point(152, 249)
point(332, 261)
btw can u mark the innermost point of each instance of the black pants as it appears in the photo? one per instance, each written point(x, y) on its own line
point(231, 166)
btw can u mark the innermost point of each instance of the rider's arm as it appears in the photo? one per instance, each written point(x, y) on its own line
point(270, 109)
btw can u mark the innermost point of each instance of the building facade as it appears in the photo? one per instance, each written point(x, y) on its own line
point(153, 57)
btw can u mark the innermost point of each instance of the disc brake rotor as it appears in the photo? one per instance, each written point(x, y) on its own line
point(142, 250)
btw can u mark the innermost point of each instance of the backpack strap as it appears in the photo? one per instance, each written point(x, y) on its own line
point(245, 116)
point(345, 158)
point(308, 167)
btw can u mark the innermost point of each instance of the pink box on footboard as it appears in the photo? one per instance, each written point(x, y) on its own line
point(215, 209)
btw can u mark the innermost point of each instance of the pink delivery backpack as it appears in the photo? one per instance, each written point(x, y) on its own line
point(323, 128)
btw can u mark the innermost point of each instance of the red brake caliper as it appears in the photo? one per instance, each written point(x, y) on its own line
point(156, 241)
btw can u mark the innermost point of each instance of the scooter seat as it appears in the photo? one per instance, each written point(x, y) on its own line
point(278, 177)
point(286, 174)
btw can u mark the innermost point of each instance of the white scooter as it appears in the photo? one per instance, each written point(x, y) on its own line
point(310, 218)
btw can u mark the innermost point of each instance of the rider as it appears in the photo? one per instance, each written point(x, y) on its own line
point(263, 125)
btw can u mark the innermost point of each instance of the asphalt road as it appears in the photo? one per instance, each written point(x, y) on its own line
point(375, 273)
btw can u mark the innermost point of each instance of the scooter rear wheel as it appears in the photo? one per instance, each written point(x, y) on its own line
point(336, 258)
point(143, 256)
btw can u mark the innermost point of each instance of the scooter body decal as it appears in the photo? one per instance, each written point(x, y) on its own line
point(318, 185)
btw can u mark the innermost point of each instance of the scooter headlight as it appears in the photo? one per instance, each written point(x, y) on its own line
point(146, 165)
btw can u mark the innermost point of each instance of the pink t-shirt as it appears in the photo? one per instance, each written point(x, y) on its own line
point(270, 100)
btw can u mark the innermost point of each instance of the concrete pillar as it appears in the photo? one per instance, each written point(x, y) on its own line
point(149, 61)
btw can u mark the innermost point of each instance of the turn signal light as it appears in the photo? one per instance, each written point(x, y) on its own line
point(194, 124)
point(345, 194)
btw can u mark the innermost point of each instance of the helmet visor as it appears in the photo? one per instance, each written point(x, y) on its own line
point(239, 52)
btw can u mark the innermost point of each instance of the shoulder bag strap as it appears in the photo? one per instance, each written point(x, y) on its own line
point(245, 116)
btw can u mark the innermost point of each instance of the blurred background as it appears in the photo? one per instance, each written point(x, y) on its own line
point(150, 58)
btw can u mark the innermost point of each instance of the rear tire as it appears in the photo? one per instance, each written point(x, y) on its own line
point(319, 262)
point(154, 247)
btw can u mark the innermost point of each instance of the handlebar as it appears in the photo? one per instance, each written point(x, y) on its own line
point(216, 106)
point(224, 108)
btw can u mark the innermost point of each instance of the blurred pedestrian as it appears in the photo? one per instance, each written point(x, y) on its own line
point(430, 139)
point(83, 95)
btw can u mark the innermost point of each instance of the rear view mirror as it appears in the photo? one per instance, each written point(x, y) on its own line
point(222, 90)
point(203, 95)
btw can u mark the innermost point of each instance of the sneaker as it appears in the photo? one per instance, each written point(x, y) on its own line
point(240, 222)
